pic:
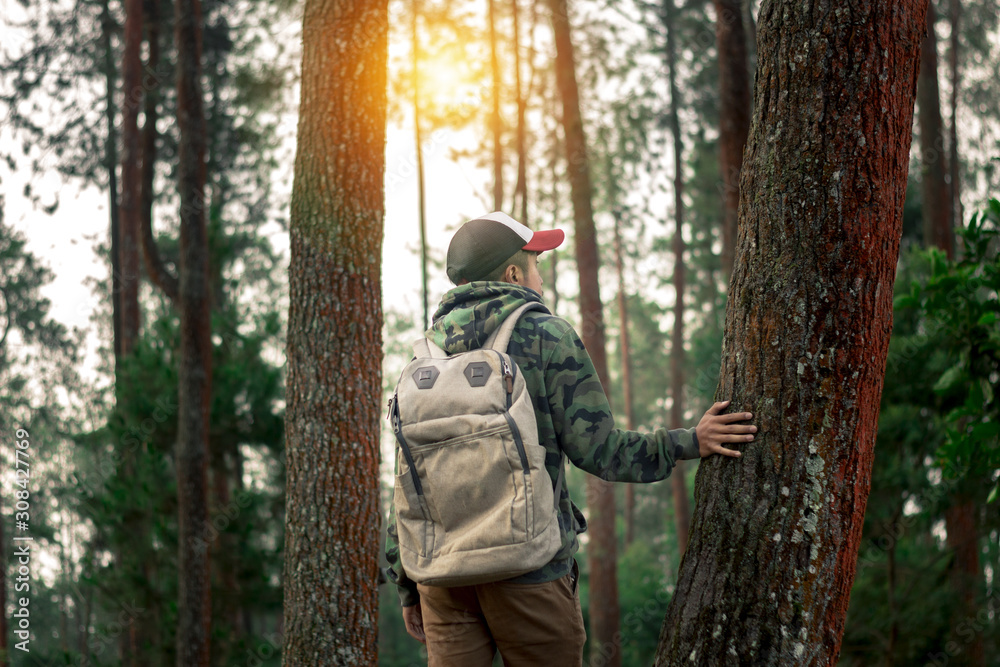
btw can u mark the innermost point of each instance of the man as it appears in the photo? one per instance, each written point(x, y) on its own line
point(535, 619)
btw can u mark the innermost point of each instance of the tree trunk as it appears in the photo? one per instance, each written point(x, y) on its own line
point(111, 159)
point(734, 115)
point(769, 568)
point(604, 621)
point(521, 186)
point(955, 186)
point(751, 25)
point(4, 662)
point(966, 580)
point(157, 271)
point(682, 508)
point(552, 293)
point(335, 339)
point(626, 347)
point(227, 564)
point(128, 228)
point(128, 261)
point(933, 170)
point(418, 141)
point(495, 121)
point(891, 594)
point(195, 373)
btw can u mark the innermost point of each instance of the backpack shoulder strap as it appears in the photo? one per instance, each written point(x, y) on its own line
point(424, 348)
point(500, 338)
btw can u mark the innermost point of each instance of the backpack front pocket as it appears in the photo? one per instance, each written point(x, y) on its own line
point(475, 489)
point(414, 526)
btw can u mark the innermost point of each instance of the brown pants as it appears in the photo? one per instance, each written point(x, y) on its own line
point(531, 624)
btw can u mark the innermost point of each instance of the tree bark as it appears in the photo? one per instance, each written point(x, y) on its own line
point(602, 549)
point(421, 191)
point(955, 185)
point(128, 228)
point(626, 347)
point(933, 170)
point(155, 267)
point(335, 338)
point(751, 26)
point(128, 262)
point(495, 121)
point(195, 373)
point(682, 508)
point(734, 115)
point(111, 159)
point(769, 568)
point(4, 662)
point(521, 185)
point(966, 579)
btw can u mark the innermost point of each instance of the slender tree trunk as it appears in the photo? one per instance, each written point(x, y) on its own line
point(85, 627)
point(195, 373)
point(155, 267)
point(933, 170)
point(678, 485)
point(604, 621)
point(227, 563)
point(521, 186)
point(128, 258)
point(751, 44)
point(111, 161)
point(4, 662)
point(128, 229)
point(890, 654)
point(418, 141)
point(556, 147)
point(966, 579)
point(496, 123)
point(955, 186)
point(734, 115)
point(626, 347)
point(774, 540)
point(335, 339)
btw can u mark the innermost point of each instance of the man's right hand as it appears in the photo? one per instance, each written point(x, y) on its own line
point(716, 429)
point(414, 622)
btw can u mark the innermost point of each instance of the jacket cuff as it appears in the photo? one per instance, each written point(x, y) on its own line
point(408, 597)
point(690, 448)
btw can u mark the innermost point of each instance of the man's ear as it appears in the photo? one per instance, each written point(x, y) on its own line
point(511, 275)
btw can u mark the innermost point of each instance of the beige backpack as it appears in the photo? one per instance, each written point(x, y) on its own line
point(473, 501)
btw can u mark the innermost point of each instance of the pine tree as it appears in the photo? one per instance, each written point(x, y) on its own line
point(335, 338)
point(775, 534)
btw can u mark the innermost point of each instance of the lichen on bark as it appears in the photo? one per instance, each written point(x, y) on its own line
point(767, 573)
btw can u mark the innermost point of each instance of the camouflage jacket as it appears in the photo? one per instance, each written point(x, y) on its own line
point(571, 410)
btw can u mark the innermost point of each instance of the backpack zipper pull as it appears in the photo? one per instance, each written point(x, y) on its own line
point(508, 375)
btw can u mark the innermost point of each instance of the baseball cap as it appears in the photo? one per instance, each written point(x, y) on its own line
point(484, 243)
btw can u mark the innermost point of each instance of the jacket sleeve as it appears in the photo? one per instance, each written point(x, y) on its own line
point(585, 427)
point(407, 589)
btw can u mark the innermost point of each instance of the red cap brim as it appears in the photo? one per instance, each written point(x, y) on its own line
point(545, 240)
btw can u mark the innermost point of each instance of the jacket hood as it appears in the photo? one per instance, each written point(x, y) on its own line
point(469, 313)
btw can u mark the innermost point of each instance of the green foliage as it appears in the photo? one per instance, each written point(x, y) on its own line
point(959, 303)
point(643, 594)
point(941, 369)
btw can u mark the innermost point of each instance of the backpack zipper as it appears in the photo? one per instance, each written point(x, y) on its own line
point(508, 376)
point(398, 431)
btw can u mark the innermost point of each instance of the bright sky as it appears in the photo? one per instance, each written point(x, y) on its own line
point(65, 240)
